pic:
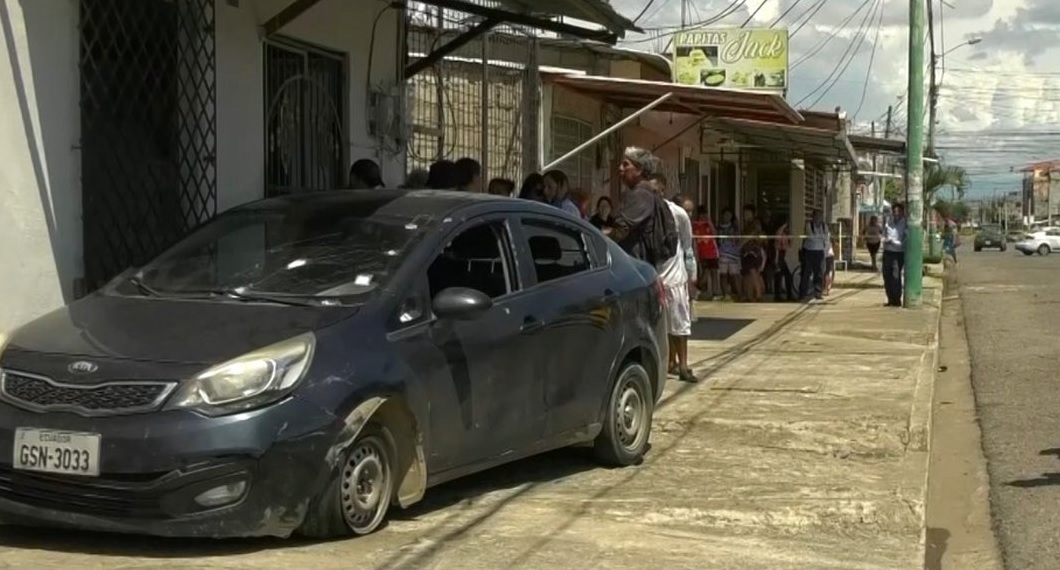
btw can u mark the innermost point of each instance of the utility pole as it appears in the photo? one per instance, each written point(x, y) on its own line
point(933, 99)
point(887, 129)
point(933, 87)
point(914, 161)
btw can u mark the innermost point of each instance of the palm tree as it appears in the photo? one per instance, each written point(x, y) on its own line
point(938, 177)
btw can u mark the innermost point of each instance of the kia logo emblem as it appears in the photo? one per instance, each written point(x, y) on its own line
point(83, 367)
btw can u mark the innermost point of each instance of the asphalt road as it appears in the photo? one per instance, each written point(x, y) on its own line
point(1012, 316)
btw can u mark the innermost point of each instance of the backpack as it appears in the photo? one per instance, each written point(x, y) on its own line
point(660, 239)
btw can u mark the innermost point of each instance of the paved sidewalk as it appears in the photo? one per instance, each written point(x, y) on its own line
point(804, 449)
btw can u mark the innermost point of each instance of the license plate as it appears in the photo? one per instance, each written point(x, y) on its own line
point(988, 242)
point(61, 452)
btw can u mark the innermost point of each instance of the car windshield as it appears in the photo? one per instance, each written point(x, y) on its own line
point(293, 251)
point(990, 229)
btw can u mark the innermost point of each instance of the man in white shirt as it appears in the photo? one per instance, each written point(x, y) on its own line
point(676, 273)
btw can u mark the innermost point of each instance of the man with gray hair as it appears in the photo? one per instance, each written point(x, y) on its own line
point(634, 216)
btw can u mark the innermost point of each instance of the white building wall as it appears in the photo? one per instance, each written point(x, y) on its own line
point(40, 193)
point(40, 201)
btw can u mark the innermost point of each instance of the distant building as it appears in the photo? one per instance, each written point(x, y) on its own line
point(1041, 190)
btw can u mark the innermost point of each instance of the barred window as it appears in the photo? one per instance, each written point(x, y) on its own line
point(567, 134)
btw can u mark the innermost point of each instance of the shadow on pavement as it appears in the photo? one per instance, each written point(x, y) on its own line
point(1046, 480)
point(709, 328)
point(858, 285)
point(529, 472)
point(96, 543)
point(545, 468)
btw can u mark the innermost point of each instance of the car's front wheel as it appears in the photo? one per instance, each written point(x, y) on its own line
point(356, 500)
point(627, 424)
point(1043, 249)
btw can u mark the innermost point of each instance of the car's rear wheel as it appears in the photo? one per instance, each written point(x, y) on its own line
point(978, 248)
point(356, 500)
point(1043, 249)
point(627, 424)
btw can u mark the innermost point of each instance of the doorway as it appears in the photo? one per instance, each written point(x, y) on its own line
point(148, 146)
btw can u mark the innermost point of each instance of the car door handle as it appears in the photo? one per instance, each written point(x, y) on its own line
point(531, 324)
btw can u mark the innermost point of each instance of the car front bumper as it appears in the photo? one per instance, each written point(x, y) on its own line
point(153, 466)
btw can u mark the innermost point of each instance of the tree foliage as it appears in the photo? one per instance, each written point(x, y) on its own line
point(938, 177)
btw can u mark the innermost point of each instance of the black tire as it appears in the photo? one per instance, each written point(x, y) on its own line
point(1044, 250)
point(626, 435)
point(1028, 253)
point(1004, 248)
point(978, 249)
point(337, 511)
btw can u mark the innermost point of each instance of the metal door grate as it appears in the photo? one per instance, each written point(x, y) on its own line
point(148, 112)
point(305, 119)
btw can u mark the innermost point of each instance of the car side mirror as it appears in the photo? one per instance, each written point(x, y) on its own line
point(461, 303)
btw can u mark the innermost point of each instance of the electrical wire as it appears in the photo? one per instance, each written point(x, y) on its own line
point(643, 10)
point(817, 8)
point(753, 14)
point(845, 59)
point(665, 31)
point(786, 12)
point(872, 59)
point(821, 45)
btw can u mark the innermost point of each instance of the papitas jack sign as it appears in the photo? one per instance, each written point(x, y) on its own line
point(735, 57)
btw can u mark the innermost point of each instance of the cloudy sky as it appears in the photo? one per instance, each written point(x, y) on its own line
point(999, 104)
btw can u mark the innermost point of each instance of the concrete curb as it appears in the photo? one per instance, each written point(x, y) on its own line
point(916, 462)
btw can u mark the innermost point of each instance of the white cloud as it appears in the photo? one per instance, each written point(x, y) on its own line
point(992, 92)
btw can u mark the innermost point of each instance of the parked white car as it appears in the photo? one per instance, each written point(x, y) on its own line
point(1043, 242)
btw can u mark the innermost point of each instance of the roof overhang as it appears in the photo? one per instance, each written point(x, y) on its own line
point(863, 143)
point(1043, 165)
point(686, 99)
point(540, 14)
point(822, 145)
point(577, 55)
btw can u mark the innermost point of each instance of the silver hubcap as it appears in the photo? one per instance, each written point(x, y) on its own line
point(365, 485)
point(629, 416)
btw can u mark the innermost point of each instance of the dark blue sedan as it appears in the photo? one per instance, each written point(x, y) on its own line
point(303, 363)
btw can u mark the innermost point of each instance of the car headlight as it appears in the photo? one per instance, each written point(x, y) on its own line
point(249, 381)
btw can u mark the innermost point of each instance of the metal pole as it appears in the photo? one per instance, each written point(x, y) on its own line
point(485, 102)
point(933, 99)
point(914, 158)
point(886, 134)
point(607, 131)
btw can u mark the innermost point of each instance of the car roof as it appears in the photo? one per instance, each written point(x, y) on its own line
point(419, 205)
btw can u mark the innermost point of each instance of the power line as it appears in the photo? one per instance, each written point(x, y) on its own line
point(812, 12)
point(844, 60)
point(829, 38)
point(872, 59)
point(753, 14)
point(786, 12)
point(643, 10)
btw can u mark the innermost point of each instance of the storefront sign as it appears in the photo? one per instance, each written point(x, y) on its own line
point(732, 57)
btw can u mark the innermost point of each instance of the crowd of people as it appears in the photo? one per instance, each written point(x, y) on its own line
point(739, 259)
point(743, 259)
